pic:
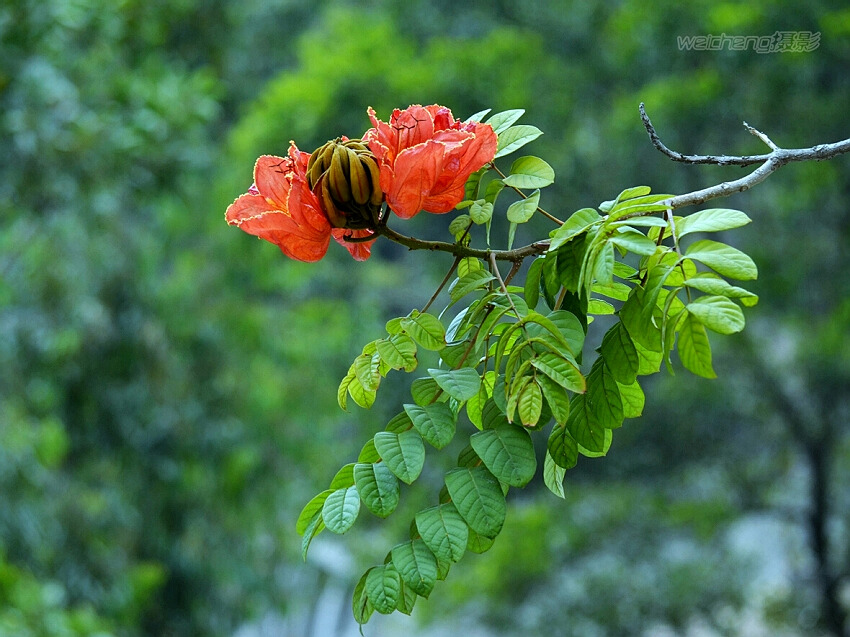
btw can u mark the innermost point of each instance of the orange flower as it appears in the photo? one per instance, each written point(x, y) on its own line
point(281, 208)
point(426, 156)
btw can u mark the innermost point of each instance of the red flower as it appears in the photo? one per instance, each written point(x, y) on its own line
point(281, 208)
point(426, 156)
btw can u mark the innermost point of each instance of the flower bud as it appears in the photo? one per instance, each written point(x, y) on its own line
point(345, 178)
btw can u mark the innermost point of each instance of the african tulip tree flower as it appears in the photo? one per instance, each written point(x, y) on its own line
point(281, 208)
point(426, 156)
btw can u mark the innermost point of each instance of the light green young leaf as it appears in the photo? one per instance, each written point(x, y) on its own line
point(712, 285)
point(398, 351)
point(344, 477)
point(435, 422)
point(714, 220)
point(530, 172)
point(368, 453)
point(443, 531)
point(340, 509)
point(478, 497)
point(723, 259)
point(598, 307)
point(507, 451)
point(694, 348)
point(514, 138)
point(417, 566)
point(310, 509)
point(403, 453)
point(460, 383)
point(553, 476)
point(633, 399)
point(426, 329)
point(367, 370)
point(480, 211)
point(469, 282)
point(502, 120)
point(522, 210)
point(577, 223)
point(718, 314)
point(530, 404)
point(479, 116)
point(562, 371)
point(634, 242)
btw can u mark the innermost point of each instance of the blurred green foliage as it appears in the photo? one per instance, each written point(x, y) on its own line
point(161, 425)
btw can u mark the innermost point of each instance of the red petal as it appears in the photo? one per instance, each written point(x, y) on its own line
point(360, 251)
point(415, 172)
point(254, 215)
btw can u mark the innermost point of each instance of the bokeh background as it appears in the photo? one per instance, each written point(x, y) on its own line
point(167, 383)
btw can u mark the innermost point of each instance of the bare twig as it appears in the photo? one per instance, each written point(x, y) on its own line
point(517, 254)
point(777, 158)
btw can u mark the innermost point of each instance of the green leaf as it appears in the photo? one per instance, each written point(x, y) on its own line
point(562, 447)
point(417, 566)
point(468, 264)
point(718, 314)
point(368, 453)
point(606, 445)
point(460, 383)
point(470, 282)
point(598, 307)
point(479, 116)
point(400, 423)
point(652, 222)
point(443, 531)
point(403, 453)
point(507, 451)
point(570, 257)
point(532, 283)
point(633, 399)
point(478, 543)
point(620, 354)
point(582, 427)
point(398, 351)
point(713, 220)
point(577, 223)
point(514, 138)
point(478, 498)
point(603, 402)
point(694, 348)
point(492, 193)
point(406, 600)
point(459, 225)
point(712, 285)
point(383, 587)
point(603, 265)
point(553, 476)
point(556, 396)
point(360, 604)
point(522, 210)
point(366, 368)
point(530, 172)
point(424, 391)
point(378, 487)
point(340, 509)
point(310, 509)
point(723, 259)
point(481, 211)
point(314, 526)
point(425, 329)
point(571, 328)
point(530, 404)
point(501, 121)
point(344, 477)
point(634, 242)
point(436, 422)
point(562, 371)
point(342, 390)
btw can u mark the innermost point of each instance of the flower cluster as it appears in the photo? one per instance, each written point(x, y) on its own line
point(419, 160)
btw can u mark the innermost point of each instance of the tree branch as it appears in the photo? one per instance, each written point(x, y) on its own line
point(460, 250)
point(769, 162)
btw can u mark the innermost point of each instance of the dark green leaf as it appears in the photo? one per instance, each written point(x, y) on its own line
point(417, 566)
point(443, 531)
point(478, 498)
point(562, 447)
point(436, 422)
point(603, 402)
point(586, 432)
point(403, 453)
point(377, 486)
point(620, 354)
point(553, 476)
point(507, 451)
point(383, 587)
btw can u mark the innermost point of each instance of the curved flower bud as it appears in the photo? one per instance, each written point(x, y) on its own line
point(345, 178)
point(281, 208)
point(426, 156)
